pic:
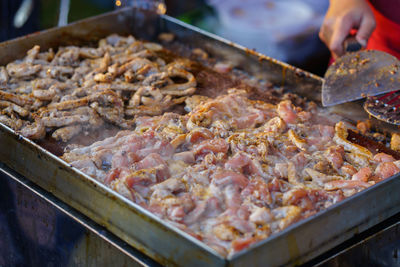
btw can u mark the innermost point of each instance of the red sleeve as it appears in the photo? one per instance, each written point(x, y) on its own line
point(386, 36)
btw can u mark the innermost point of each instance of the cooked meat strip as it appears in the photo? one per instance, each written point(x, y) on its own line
point(11, 122)
point(66, 56)
point(66, 133)
point(21, 111)
point(65, 120)
point(20, 100)
point(32, 54)
point(89, 52)
point(61, 73)
point(22, 70)
point(70, 104)
point(3, 76)
point(35, 130)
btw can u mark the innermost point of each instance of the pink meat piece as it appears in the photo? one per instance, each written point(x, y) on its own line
point(286, 112)
point(132, 181)
point(261, 215)
point(199, 134)
point(208, 208)
point(348, 169)
point(249, 120)
point(142, 190)
point(213, 207)
point(232, 197)
point(227, 177)
point(383, 157)
point(151, 161)
point(186, 156)
point(145, 121)
point(132, 177)
point(133, 143)
point(345, 184)
point(120, 160)
point(243, 212)
point(214, 146)
point(299, 160)
point(335, 156)
point(294, 196)
point(386, 169)
point(176, 213)
point(320, 135)
point(154, 161)
point(187, 202)
point(242, 226)
point(326, 131)
point(112, 175)
point(362, 175)
point(196, 213)
point(136, 148)
point(242, 162)
point(124, 159)
point(151, 143)
point(237, 216)
point(223, 106)
point(161, 147)
point(156, 209)
point(257, 190)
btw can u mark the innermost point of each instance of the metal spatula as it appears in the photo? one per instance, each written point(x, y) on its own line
point(360, 74)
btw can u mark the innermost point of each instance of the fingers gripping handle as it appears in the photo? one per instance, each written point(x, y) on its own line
point(351, 44)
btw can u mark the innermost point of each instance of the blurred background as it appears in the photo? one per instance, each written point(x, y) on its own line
point(283, 29)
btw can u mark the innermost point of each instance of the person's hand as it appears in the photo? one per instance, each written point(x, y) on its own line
point(341, 18)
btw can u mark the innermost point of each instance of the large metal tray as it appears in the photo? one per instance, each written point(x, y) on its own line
point(143, 230)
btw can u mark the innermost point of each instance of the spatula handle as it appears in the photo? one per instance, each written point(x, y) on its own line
point(351, 44)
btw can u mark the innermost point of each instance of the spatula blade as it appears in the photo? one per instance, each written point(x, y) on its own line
point(359, 74)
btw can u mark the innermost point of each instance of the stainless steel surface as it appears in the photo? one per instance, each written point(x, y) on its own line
point(55, 234)
point(359, 74)
point(141, 229)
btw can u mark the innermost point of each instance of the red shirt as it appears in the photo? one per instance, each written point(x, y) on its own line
point(386, 36)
